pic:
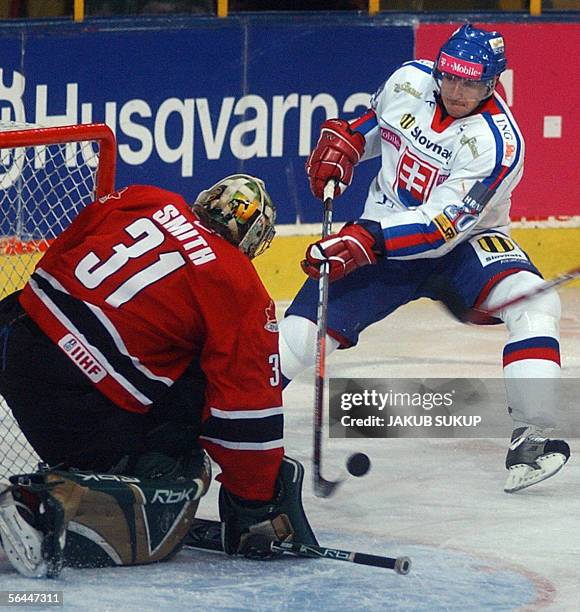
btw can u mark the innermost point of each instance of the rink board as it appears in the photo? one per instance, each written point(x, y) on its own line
point(553, 250)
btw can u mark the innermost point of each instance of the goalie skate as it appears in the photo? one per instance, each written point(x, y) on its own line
point(20, 541)
point(532, 458)
point(32, 535)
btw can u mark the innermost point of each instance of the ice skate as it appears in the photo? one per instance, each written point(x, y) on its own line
point(31, 531)
point(532, 457)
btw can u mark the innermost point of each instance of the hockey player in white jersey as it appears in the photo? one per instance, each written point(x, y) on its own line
point(436, 224)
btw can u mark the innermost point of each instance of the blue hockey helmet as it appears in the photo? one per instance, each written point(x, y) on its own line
point(472, 53)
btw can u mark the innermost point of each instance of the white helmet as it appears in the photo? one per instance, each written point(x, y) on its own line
point(239, 208)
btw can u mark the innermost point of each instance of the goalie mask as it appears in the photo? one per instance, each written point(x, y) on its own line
point(239, 208)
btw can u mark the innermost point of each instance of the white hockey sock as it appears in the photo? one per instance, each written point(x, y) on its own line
point(298, 345)
point(531, 357)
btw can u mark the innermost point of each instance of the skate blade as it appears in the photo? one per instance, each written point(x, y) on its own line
point(21, 542)
point(521, 476)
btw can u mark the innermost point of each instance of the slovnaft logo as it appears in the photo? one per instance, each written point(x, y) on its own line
point(429, 145)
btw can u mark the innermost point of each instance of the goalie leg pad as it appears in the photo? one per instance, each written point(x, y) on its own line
point(123, 520)
point(21, 541)
point(109, 519)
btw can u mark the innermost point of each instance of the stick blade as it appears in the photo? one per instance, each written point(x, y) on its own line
point(325, 488)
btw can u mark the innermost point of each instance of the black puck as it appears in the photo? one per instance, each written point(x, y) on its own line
point(358, 464)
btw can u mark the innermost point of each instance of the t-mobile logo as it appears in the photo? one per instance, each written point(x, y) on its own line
point(460, 67)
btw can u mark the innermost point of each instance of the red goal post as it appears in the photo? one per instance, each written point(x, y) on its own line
point(99, 133)
point(47, 175)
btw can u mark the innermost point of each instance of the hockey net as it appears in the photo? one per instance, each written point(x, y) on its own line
point(47, 174)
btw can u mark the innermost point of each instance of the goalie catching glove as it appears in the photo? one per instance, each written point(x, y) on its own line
point(355, 246)
point(337, 152)
point(248, 526)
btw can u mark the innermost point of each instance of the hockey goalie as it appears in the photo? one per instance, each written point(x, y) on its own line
point(144, 341)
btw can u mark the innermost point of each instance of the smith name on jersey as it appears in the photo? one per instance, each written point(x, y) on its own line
point(442, 179)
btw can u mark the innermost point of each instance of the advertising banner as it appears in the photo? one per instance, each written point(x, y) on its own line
point(190, 105)
point(541, 87)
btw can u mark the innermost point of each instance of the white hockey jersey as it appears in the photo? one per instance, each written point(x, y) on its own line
point(442, 179)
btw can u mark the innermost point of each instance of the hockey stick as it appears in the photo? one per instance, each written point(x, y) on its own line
point(480, 315)
point(322, 487)
point(206, 535)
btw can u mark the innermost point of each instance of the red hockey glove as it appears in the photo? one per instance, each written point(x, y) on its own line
point(337, 152)
point(353, 247)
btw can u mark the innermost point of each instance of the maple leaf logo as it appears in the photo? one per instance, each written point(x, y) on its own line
point(271, 322)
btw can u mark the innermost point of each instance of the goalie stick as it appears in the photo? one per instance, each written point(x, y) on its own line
point(206, 535)
point(322, 487)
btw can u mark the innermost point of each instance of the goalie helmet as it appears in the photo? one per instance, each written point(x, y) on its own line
point(239, 208)
point(472, 53)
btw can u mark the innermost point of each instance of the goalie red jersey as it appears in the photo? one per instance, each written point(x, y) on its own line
point(137, 288)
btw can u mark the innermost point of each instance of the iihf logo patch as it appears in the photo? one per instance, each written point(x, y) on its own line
point(80, 355)
point(271, 322)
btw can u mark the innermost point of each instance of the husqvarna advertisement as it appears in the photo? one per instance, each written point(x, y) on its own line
point(185, 116)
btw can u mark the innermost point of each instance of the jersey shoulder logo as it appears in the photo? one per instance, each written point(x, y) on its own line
point(407, 88)
point(471, 144)
point(508, 136)
point(271, 322)
point(407, 120)
point(116, 195)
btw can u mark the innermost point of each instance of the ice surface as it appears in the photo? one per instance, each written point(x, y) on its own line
point(439, 501)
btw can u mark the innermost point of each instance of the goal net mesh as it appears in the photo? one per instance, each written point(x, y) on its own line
point(46, 176)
